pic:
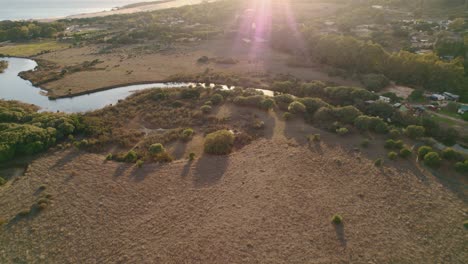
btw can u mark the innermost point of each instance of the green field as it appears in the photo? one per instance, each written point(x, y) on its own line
point(31, 49)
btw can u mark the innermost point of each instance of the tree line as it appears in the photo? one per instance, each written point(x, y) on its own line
point(28, 30)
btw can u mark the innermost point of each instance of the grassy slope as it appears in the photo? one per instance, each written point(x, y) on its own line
point(31, 49)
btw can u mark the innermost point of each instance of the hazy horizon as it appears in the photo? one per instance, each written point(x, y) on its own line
point(33, 9)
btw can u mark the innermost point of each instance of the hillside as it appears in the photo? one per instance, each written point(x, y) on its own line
point(271, 201)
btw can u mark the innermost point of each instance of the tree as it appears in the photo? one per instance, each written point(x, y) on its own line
point(219, 142)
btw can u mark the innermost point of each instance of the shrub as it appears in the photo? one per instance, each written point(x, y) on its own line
point(109, 156)
point(405, 152)
point(342, 131)
point(375, 82)
point(422, 151)
point(163, 157)
point(451, 154)
point(392, 144)
point(190, 93)
point(131, 156)
point(283, 101)
point(139, 163)
point(219, 142)
point(337, 219)
point(2, 181)
point(206, 109)
point(156, 148)
point(314, 138)
point(432, 159)
point(288, 116)
point(267, 104)
point(191, 156)
point(312, 104)
point(465, 224)
point(297, 108)
point(365, 143)
point(187, 134)
point(216, 99)
point(462, 167)
point(378, 162)
point(392, 155)
point(394, 133)
point(414, 132)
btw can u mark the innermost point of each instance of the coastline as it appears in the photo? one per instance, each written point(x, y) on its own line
point(131, 9)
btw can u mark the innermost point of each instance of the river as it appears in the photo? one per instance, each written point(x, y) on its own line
point(12, 87)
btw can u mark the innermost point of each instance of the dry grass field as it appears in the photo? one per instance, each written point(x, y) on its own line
point(269, 202)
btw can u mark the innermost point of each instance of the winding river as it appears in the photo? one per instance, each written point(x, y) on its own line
point(12, 87)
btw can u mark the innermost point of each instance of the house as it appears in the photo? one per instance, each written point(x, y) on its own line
point(384, 99)
point(437, 97)
point(463, 109)
point(451, 96)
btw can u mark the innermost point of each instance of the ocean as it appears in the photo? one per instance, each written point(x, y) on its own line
point(40, 9)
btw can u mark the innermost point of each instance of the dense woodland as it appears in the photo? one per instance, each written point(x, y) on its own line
point(25, 30)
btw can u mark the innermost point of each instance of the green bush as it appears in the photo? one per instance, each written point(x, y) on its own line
point(392, 144)
point(283, 101)
point(216, 99)
point(365, 143)
point(131, 156)
point(206, 109)
point(422, 151)
point(163, 157)
point(314, 138)
point(378, 162)
point(191, 156)
point(394, 133)
point(2, 181)
point(109, 156)
point(139, 163)
point(375, 82)
point(452, 155)
point(465, 224)
point(219, 142)
point(462, 167)
point(297, 108)
point(267, 104)
point(414, 132)
point(405, 152)
point(342, 131)
point(392, 155)
point(187, 134)
point(337, 219)
point(432, 159)
point(156, 148)
point(288, 116)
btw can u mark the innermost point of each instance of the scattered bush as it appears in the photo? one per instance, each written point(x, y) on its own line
point(337, 219)
point(365, 143)
point(392, 144)
point(283, 101)
point(432, 159)
point(394, 133)
point(139, 163)
point(206, 109)
point(216, 99)
point(267, 104)
point(375, 82)
point(288, 116)
point(462, 167)
point(392, 155)
point(109, 156)
point(314, 138)
point(156, 148)
point(187, 134)
point(163, 157)
point(452, 155)
point(342, 131)
point(297, 108)
point(405, 152)
point(2, 181)
point(414, 132)
point(219, 142)
point(191, 156)
point(378, 162)
point(422, 151)
point(131, 156)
